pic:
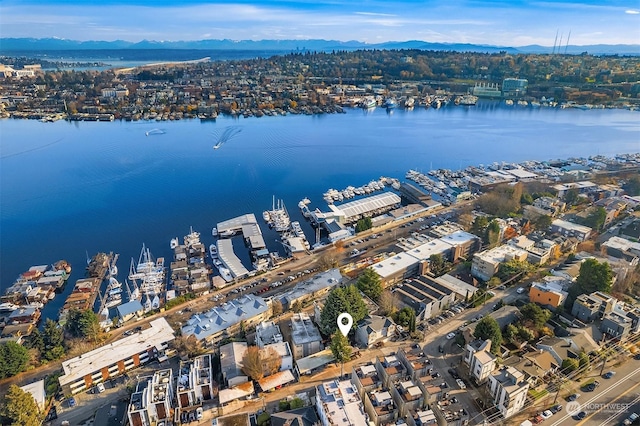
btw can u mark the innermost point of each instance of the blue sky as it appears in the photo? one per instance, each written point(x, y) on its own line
point(495, 22)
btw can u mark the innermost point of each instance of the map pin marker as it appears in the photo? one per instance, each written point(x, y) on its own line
point(344, 328)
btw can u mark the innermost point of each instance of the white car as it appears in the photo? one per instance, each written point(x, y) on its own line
point(461, 384)
point(100, 387)
point(451, 336)
point(199, 413)
point(520, 290)
point(546, 414)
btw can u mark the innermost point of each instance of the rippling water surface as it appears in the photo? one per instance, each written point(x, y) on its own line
point(71, 188)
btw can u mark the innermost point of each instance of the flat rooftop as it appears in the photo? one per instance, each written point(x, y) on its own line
point(228, 257)
point(369, 204)
point(76, 368)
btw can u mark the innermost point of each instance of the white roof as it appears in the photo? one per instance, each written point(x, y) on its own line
point(36, 389)
point(458, 286)
point(368, 204)
point(394, 264)
point(237, 392)
point(76, 368)
point(341, 403)
point(315, 361)
point(229, 258)
point(500, 253)
point(570, 226)
point(426, 250)
point(278, 379)
point(458, 237)
point(621, 244)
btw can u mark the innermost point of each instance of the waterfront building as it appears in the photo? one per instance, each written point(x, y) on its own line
point(305, 336)
point(151, 402)
point(487, 90)
point(313, 288)
point(86, 370)
point(338, 404)
point(514, 87)
point(582, 187)
point(508, 390)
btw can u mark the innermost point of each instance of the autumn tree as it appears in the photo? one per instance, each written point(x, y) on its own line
point(370, 284)
point(276, 307)
point(271, 361)
point(20, 408)
point(328, 260)
point(187, 346)
point(388, 303)
point(252, 363)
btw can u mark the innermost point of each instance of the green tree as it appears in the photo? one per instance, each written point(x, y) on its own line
point(340, 348)
point(339, 300)
point(403, 316)
point(594, 276)
point(479, 225)
point(543, 222)
point(488, 328)
point(493, 282)
point(363, 224)
point(583, 361)
point(296, 403)
point(13, 359)
point(534, 314)
point(569, 365)
point(511, 268)
point(492, 234)
point(370, 284)
point(82, 323)
point(20, 409)
point(632, 185)
point(571, 196)
point(53, 336)
point(526, 198)
point(438, 265)
point(596, 218)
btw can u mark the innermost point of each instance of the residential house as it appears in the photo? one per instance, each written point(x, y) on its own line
point(415, 361)
point(373, 329)
point(570, 229)
point(365, 378)
point(305, 336)
point(485, 264)
point(195, 382)
point(305, 416)
point(231, 356)
point(508, 390)
point(113, 359)
point(151, 402)
point(589, 307)
point(380, 407)
point(550, 292)
point(338, 404)
point(480, 360)
point(616, 324)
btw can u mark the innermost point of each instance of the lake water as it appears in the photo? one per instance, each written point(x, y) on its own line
point(71, 188)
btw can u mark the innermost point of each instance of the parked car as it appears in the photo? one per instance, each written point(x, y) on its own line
point(581, 415)
point(461, 384)
point(72, 402)
point(520, 290)
point(573, 397)
point(100, 387)
point(556, 408)
point(451, 336)
point(546, 414)
point(609, 374)
point(199, 413)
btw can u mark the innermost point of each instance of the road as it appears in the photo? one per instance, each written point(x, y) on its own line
point(607, 402)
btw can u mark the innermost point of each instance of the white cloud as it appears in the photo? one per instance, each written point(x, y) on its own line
point(632, 12)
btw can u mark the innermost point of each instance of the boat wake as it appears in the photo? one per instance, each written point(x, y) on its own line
point(154, 132)
point(227, 134)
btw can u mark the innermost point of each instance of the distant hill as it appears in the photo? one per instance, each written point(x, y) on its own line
point(8, 45)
